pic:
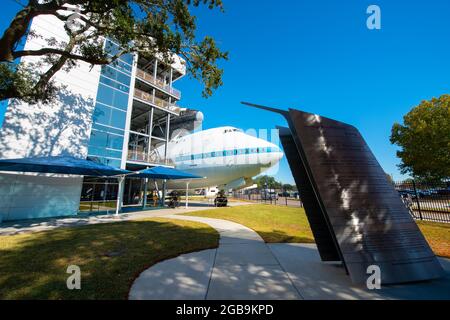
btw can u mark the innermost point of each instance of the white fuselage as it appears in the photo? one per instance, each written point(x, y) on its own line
point(225, 156)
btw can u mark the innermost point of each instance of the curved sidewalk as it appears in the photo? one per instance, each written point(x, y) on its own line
point(242, 267)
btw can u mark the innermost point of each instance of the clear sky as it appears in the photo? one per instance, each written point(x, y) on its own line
point(319, 56)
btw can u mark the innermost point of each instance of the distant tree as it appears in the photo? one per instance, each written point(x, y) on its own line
point(288, 187)
point(424, 140)
point(389, 178)
point(149, 27)
point(267, 181)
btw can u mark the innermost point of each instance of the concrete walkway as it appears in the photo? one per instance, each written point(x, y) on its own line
point(34, 225)
point(244, 267)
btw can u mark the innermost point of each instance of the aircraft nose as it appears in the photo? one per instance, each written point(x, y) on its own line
point(275, 154)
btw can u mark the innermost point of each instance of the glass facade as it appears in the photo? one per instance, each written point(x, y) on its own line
point(98, 195)
point(109, 118)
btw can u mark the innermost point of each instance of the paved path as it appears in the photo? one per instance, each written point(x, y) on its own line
point(34, 225)
point(244, 267)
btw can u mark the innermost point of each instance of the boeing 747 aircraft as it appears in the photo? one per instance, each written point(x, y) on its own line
point(225, 156)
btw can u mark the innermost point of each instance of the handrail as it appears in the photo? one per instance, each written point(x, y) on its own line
point(158, 82)
point(155, 100)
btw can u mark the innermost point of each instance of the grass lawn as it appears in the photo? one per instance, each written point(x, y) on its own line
point(438, 236)
point(288, 224)
point(33, 265)
point(274, 224)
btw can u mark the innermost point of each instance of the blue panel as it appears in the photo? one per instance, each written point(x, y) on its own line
point(113, 49)
point(112, 97)
point(114, 84)
point(109, 162)
point(102, 152)
point(116, 75)
point(100, 127)
point(109, 116)
point(105, 140)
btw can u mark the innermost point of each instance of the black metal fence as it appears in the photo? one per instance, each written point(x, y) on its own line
point(291, 199)
point(425, 200)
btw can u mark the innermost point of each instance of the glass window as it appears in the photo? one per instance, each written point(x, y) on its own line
point(116, 75)
point(105, 140)
point(122, 66)
point(114, 84)
point(101, 127)
point(109, 116)
point(102, 114)
point(98, 139)
point(102, 152)
point(118, 118)
point(112, 97)
point(115, 142)
point(128, 58)
point(109, 162)
point(112, 49)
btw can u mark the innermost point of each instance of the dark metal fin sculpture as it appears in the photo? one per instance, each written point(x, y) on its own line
point(355, 213)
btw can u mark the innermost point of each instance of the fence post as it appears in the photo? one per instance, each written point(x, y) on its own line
point(417, 199)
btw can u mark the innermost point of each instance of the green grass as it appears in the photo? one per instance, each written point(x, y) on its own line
point(438, 236)
point(288, 224)
point(274, 224)
point(33, 265)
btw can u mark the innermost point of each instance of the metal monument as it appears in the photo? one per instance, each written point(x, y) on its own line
point(355, 213)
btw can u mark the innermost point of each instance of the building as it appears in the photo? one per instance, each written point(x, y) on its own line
point(117, 114)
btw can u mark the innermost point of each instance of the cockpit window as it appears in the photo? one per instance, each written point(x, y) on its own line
point(231, 130)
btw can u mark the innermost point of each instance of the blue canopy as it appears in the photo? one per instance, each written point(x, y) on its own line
point(60, 164)
point(165, 173)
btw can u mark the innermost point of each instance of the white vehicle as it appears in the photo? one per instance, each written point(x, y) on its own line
point(225, 156)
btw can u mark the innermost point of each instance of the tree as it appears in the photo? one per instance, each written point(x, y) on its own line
point(267, 182)
point(149, 27)
point(424, 140)
point(389, 178)
point(289, 187)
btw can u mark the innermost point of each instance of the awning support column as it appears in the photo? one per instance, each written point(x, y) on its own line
point(164, 191)
point(144, 201)
point(187, 194)
point(119, 194)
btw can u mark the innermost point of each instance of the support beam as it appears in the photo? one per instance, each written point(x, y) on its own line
point(150, 131)
point(167, 138)
point(120, 189)
point(164, 191)
point(144, 200)
point(187, 194)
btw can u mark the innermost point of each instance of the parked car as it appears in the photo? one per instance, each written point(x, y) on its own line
point(443, 192)
point(284, 194)
point(271, 196)
point(405, 193)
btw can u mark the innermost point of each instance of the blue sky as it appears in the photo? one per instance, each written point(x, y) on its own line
point(319, 56)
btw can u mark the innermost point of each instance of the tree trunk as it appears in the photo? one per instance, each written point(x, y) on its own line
point(14, 33)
